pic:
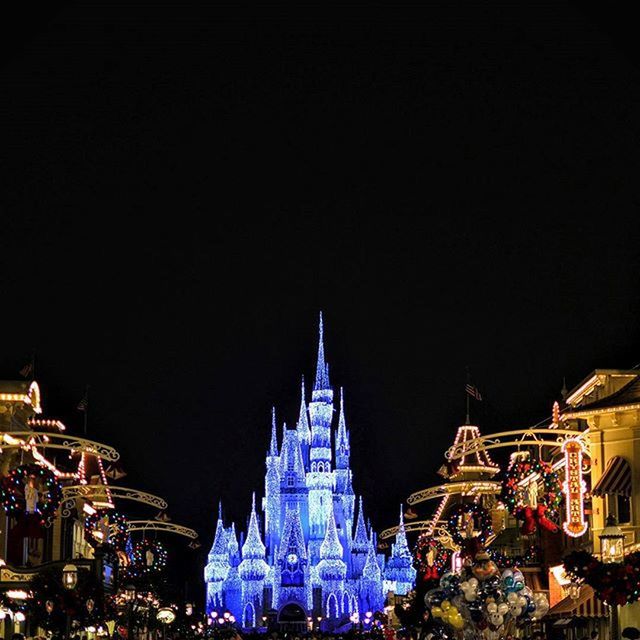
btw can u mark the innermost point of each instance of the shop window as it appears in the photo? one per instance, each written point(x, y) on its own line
point(624, 509)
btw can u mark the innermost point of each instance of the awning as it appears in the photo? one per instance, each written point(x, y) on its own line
point(585, 606)
point(615, 479)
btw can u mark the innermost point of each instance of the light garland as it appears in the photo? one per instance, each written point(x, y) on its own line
point(148, 557)
point(470, 514)
point(47, 499)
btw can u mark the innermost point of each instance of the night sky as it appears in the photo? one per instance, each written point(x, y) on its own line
point(184, 187)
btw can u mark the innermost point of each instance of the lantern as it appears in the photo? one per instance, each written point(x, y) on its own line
point(612, 541)
point(70, 576)
point(130, 593)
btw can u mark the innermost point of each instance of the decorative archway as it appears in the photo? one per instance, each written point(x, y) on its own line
point(292, 617)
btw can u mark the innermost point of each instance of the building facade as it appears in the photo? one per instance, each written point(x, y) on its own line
point(309, 553)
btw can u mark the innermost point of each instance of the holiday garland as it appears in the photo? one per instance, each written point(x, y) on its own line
point(542, 514)
point(13, 489)
point(140, 565)
point(615, 583)
point(118, 528)
point(429, 549)
point(480, 516)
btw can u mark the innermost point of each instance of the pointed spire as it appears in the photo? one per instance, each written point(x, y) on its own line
point(304, 432)
point(220, 510)
point(253, 547)
point(273, 448)
point(322, 369)
point(371, 569)
point(564, 392)
point(341, 435)
point(401, 548)
point(360, 537)
point(331, 549)
point(219, 539)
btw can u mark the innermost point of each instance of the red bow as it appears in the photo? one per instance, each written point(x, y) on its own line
point(534, 518)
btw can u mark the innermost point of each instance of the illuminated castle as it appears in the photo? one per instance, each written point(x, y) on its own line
point(305, 558)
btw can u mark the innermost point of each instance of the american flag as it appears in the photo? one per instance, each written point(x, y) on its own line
point(83, 405)
point(27, 370)
point(473, 392)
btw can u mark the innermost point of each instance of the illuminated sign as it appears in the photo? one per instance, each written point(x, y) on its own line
point(574, 489)
point(166, 615)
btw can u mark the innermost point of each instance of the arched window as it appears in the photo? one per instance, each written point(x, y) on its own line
point(249, 616)
point(346, 604)
point(332, 606)
point(313, 467)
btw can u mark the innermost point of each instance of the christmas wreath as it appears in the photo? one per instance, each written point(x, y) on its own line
point(147, 557)
point(615, 583)
point(31, 490)
point(429, 557)
point(106, 526)
point(545, 510)
point(466, 519)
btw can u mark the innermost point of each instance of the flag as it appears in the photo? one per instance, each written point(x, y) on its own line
point(410, 514)
point(473, 392)
point(163, 516)
point(83, 405)
point(194, 545)
point(27, 370)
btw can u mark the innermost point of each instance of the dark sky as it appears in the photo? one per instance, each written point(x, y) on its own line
point(184, 187)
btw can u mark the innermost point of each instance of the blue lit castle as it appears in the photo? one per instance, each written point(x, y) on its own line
point(307, 560)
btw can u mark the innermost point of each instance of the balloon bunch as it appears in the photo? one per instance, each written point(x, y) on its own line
point(481, 603)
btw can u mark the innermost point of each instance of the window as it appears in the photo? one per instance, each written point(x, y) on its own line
point(290, 480)
point(624, 509)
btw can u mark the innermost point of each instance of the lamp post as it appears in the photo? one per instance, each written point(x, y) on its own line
point(612, 549)
point(130, 597)
point(69, 582)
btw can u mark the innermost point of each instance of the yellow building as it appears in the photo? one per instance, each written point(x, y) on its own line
point(607, 403)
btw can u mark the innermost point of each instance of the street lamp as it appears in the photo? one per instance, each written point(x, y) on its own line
point(130, 596)
point(70, 576)
point(573, 590)
point(612, 549)
point(69, 582)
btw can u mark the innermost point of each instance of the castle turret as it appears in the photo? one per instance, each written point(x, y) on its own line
point(302, 427)
point(217, 568)
point(371, 596)
point(343, 471)
point(253, 569)
point(320, 476)
point(399, 572)
point(332, 569)
point(232, 586)
point(272, 490)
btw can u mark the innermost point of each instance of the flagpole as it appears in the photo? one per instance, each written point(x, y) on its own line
point(86, 410)
point(467, 394)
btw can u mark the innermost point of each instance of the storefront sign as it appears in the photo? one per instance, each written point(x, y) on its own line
point(574, 489)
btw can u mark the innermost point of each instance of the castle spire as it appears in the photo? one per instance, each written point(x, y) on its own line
point(371, 570)
point(341, 436)
point(360, 539)
point(304, 432)
point(322, 369)
point(273, 448)
point(331, 549)
point(253, 548)
point(401, 548)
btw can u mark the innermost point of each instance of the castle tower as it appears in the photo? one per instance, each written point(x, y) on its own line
point(253, 569)
point(332, 570)
point(371, 597)
point(232, 585)
point(320, 476)
point(343, 471)
point(302, 427)
point(293, 479)
point(217, 567)
point(360, 544)
point(399, 572)
point(272, 489)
